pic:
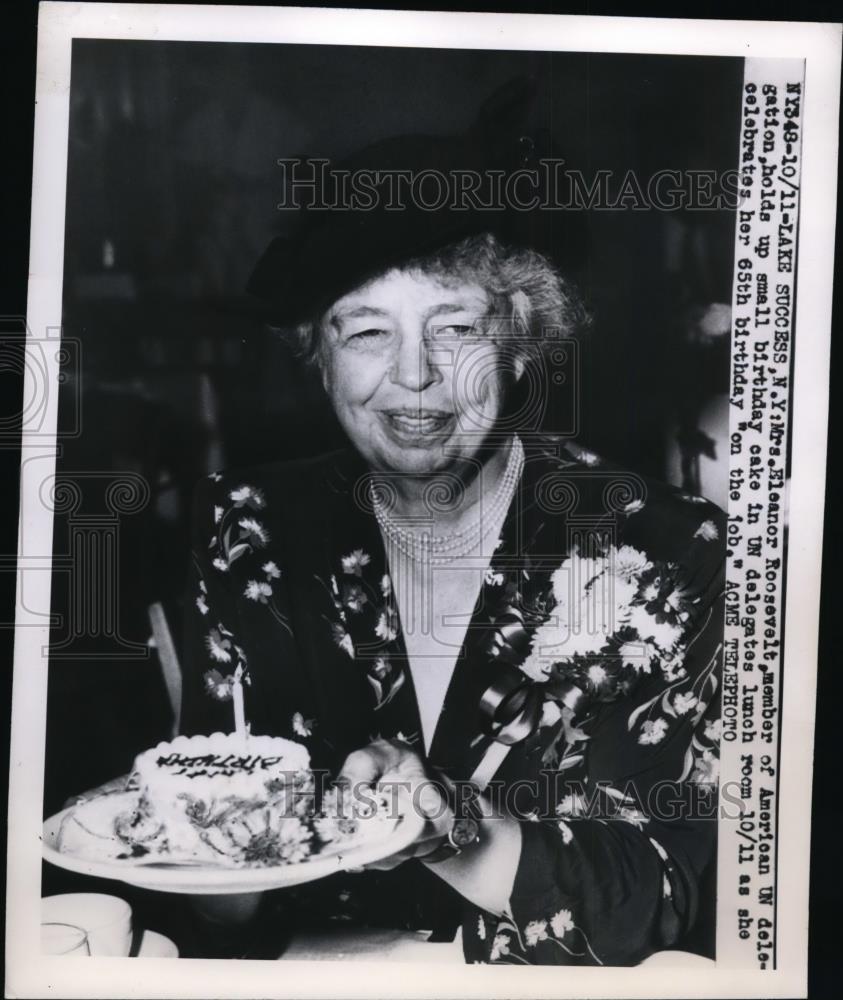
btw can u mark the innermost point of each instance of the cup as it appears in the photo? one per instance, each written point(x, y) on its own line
point(105, 920)
point(63, 939)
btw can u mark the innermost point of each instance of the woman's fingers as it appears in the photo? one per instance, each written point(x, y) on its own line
point(394, 765)
point(361, 767)
point(430, 839)
point(371, 763)
point(430, 801)
point(387, 864)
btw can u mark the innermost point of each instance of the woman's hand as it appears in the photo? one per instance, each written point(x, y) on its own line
point(485, 872)
point(393, 763)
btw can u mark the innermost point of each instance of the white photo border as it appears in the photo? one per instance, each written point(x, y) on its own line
point(29, 974)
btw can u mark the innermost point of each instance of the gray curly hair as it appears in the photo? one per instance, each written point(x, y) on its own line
point(530, 300)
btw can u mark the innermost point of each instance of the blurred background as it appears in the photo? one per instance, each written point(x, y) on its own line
point(171, 197)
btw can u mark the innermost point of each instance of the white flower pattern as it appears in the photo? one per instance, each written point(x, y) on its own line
point(300, 726)
point(385, 629)
point(258, 591)
point(561, 923)
point(500, 947)
point(254, 529)
point(713, 730)
point(353, 564)
point(707, 531)
point(652, 731)
point(644, 628)
point(683, 703)
point(534, 932)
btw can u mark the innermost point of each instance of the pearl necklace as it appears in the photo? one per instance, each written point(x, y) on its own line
point(419, 545)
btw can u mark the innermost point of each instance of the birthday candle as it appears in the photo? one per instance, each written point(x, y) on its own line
point(237, 699)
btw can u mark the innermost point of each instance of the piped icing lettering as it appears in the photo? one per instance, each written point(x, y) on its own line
point(212, 764)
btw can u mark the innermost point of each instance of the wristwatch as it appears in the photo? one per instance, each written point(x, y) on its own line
point(465, 830)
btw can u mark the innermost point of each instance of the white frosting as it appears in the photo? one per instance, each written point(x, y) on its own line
point(218, 765)
point(212, 793)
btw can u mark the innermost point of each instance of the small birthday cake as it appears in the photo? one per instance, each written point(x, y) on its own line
point(223, 799)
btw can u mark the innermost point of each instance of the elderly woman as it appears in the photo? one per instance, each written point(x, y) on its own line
point(457, 596)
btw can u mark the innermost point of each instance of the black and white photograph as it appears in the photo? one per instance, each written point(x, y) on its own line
point(421, 503)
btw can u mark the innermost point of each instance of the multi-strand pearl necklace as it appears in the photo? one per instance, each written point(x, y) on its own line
point(419, 545)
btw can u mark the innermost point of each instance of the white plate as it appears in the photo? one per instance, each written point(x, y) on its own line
point(197, 879)
point(155, 945)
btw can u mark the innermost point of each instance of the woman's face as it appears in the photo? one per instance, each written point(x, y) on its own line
point(415, 382)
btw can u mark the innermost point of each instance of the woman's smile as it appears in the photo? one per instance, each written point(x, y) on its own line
point(417, 427)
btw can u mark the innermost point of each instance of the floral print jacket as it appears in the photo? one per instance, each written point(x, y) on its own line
point(602, 584)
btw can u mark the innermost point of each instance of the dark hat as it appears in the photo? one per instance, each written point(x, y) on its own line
point(404, 197)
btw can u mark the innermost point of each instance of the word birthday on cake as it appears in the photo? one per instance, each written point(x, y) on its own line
point(212, 764)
